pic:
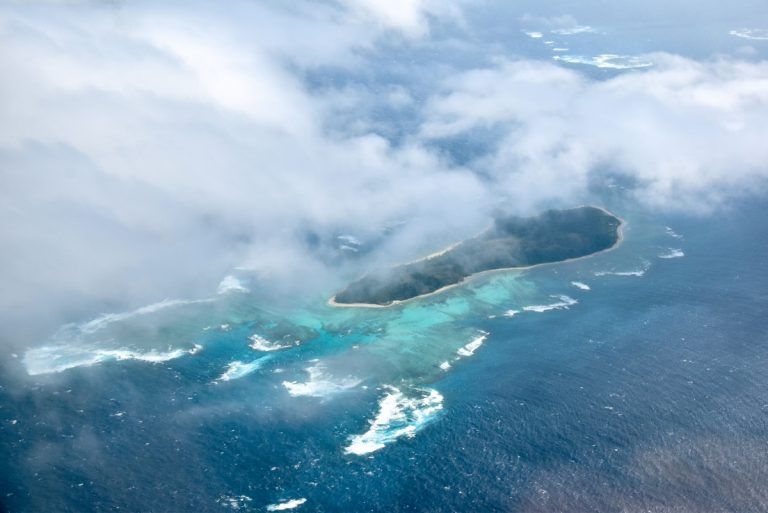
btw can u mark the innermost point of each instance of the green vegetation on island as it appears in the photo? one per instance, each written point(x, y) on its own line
point(511, 242)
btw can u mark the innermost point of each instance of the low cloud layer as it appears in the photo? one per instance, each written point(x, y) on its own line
point(145, 151)
point(688, 133)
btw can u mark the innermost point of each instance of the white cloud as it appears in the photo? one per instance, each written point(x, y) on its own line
point(690, 132)
point(145, 153)
point(411, 17)
point(146, 150)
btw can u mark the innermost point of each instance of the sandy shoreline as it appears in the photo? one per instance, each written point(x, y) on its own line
point(619, 240)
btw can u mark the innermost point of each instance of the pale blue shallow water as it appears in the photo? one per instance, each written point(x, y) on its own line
point(647, 393)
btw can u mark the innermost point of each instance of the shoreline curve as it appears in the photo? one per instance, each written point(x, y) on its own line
point(619, 239)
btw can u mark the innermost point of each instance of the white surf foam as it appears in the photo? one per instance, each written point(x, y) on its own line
point(672, 233)
point(564, 303)
point(260, 343)
point(282, 506)
point(399, 415)
point(672, 253)
point(446, 365)
point(580, 285)
point(533, 34)
point(606, 61)
point(239, 369)
point(350, 239)
point(231, 284)
point(104, 320)
point(635, 272)
point(755, 34)
point(511, 313)
point(58, 358)
point(320, 384)
point(570, 31)
point(472, 346)
point(236, 502)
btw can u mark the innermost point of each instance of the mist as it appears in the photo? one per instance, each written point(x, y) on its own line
point(147, 151)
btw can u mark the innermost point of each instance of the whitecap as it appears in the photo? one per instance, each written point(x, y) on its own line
point(231, 284)
point(399, 415)
point(511, 313)
point(564, 303)
point(755, 34)
point(238, 369)
point(672, 253)
point(472, 346)
point(57, 358)
point(580, 285)
point(105, 319)
point(446, 365)
point(320, 384)
point(533, 34)
point(282, 506)
point(260, 343)
point(606, 61)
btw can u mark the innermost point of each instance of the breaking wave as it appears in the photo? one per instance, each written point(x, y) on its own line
point(578, 29)
point(580, 285)
point(473, 345)
point(755, 34)
point(260, 343)
point(672, 233)
point(635, 272)
point(238, 369)
point(231, 284)
point(286, 505)
point(320, 384)
point(58, 358)
point(564, 303)
point(672, 253)
point(606, 61)
point(399, 415)
point(235, 502)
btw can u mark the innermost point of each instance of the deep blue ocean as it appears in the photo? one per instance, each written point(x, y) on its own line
point(520, 391)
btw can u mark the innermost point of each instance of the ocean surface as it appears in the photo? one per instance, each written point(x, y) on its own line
point(634, 380)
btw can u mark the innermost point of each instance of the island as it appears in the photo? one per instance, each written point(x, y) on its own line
point(510, 243)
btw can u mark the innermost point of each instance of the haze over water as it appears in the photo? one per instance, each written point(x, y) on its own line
point(167, 342)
